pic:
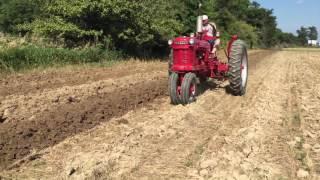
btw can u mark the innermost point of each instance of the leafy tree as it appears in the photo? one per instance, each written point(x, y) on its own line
point(269, 29)
point(187, 12)
point(245, 32)
point(142, 27)
point(238, 8)
point(223, 16)
point(286, 39)
point(264, 22)
point(302, 35)
point(14, 12)
point(313, 33)
point(138, 26)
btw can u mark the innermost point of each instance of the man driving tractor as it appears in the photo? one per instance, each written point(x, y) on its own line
point(211, 33)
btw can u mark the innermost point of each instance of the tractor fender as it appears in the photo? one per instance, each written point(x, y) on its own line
point(232, 40)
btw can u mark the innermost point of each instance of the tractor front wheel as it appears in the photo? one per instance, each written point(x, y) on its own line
point(174, 88)
point(170, 62)
point(238, 72)
point(189, 88)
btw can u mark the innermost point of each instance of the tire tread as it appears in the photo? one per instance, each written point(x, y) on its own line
point(238, 50)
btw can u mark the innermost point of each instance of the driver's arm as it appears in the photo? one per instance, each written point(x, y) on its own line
point(217, 41)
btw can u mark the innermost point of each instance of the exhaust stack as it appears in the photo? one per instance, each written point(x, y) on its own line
point(199, 24)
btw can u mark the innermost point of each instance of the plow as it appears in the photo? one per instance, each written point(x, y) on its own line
point(192, 63)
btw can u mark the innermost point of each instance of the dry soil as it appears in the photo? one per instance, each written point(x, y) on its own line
point(117, 123)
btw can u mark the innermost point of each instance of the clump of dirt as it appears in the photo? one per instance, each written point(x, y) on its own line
point(2, 118)
point(19, 139)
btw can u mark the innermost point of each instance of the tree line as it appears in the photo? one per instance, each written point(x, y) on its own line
point(142, 27)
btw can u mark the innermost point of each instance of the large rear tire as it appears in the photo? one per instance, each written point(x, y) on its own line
point(174, 89)
point(238, 72)
point(189, 88)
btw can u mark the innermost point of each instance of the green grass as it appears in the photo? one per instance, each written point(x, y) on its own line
point(31, 57)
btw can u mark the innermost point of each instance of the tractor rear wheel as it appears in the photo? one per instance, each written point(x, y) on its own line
point(174, 91)
point(189, 88)
point(238, 72)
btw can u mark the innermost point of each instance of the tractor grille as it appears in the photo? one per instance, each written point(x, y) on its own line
point(183, 56)
point(181, 42)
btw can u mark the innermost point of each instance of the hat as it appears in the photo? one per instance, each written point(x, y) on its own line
point(205, 17)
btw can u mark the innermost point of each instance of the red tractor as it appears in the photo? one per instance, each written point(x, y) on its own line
point(191, 63)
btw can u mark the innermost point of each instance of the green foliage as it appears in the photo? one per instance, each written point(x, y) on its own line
point(25, 57)
point(313, 33)
point(264, 22)
point(245, 32)
point(269, 29)
point(307, 33)
point(186, 13)
point(287, 39)
point(141, 27)
point(15, 12)
point(303, 36)
point(248, 19)
point(229, 11)
point(56, 27)
point(132, 25)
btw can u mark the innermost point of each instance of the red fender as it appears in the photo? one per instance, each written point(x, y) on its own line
point(232, 40)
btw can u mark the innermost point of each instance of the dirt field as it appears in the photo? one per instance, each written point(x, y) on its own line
point(117, 123)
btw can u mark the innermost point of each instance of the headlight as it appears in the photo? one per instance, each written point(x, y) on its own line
point(191, 41)
point(170, 42)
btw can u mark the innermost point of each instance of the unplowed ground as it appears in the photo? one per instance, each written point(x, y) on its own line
point(117, 123)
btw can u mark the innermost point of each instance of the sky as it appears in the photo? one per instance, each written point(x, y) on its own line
point(292, 14)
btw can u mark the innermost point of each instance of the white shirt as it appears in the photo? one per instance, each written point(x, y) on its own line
point(208, 29)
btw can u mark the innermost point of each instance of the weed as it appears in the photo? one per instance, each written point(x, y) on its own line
point(196, 154)
point(296, 121)
point(189, 162)
point(31, 56)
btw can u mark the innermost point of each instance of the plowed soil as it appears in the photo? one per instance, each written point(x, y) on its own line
point(117, 123)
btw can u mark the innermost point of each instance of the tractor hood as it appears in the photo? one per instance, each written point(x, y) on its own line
point(185, 42)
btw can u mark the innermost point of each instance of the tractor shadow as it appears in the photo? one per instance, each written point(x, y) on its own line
point(212, 85)
point(228, 90)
